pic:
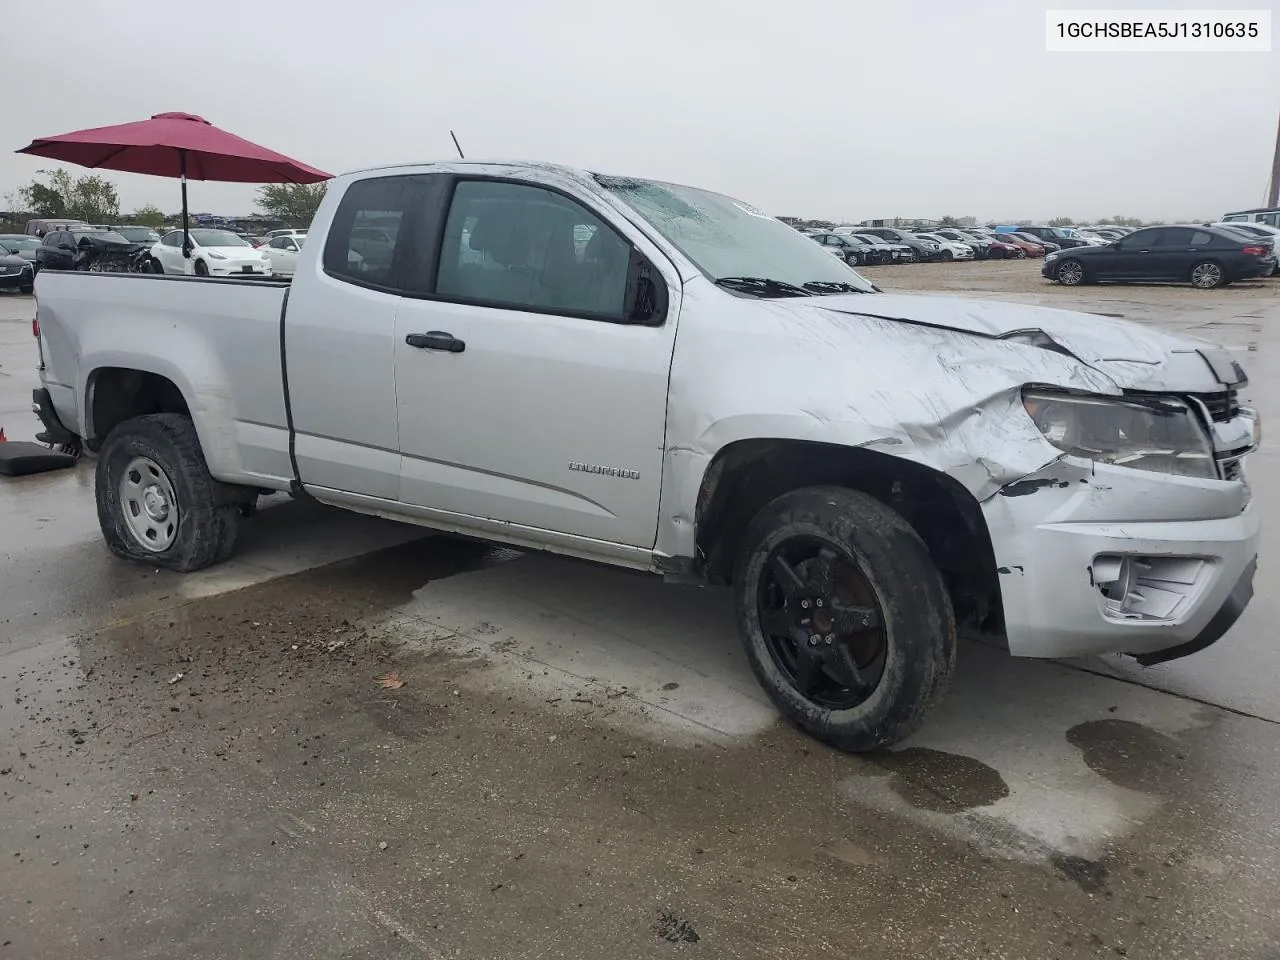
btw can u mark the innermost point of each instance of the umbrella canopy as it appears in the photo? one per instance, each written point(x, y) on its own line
point(178, 145)
point(158, 146)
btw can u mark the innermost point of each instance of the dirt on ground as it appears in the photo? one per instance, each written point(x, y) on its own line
point(285, 772)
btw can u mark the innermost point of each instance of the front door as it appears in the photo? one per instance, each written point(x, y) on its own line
point(525, 394)
point(1137, 257)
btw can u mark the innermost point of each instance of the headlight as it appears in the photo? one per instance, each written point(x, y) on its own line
point(214, 255)
point(1161, 434)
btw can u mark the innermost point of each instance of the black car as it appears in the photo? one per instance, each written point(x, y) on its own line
point(16, 273)
point(1053, 235)
point(1205, 257)
point(20, 245)
point(87, 248)
point(856, 252)
point(923, 249)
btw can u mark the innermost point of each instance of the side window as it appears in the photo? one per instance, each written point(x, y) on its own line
point(1142, 240)
point(278, 243)
point(1174, 237)
point(523, 246)
point(172, 240)
point(1200, 239)
point(372, 232)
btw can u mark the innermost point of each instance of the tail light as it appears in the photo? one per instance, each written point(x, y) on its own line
point(1255, 251)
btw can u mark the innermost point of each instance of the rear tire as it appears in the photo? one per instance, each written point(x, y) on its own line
point(1208, 275)
point(157, 502)
point(878, 660)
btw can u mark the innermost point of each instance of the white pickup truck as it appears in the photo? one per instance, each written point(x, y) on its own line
point(663, 378)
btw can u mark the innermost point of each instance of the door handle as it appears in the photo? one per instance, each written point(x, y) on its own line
point(436, 340)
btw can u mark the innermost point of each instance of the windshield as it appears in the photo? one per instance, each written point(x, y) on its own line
point(139, 234)
point(109, 235)
point(17, 244)
point(868, 238)
point(1060, 232)
point(727, 238)
point(217, 238)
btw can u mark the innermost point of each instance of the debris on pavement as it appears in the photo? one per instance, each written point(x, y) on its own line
point(391, 681)
point(175, 678)
point(674, 930)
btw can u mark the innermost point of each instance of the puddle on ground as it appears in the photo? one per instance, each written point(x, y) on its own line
point(1089, 875)
point(1129, 754)
point(392, 575)
point(943, 782)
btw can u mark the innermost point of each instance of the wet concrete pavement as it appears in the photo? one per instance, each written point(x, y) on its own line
point(578, 762)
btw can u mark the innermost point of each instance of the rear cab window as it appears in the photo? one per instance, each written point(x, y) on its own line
point(382, 230)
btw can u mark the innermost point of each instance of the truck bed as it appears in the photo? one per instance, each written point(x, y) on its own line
point(218, 340)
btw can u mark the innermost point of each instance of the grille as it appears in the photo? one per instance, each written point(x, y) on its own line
point(1221, 406)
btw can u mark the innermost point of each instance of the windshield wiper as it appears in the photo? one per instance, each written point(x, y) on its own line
point(833, 286)
point(763, 287)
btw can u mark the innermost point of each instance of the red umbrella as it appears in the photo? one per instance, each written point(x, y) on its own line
point(175, 145)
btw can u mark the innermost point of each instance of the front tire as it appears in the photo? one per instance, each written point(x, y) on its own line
point(948, 255)
point(157, 502)
point(156, 267)
point(845, 618)
point(1208, 275)
point(201, 268)
point(1071, 272)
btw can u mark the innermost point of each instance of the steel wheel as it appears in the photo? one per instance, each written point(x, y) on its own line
point(149, 504)
point(1206, 275)
point(822, 623)
point(1070, 273)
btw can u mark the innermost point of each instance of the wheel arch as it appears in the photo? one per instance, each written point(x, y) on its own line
point(747, 474)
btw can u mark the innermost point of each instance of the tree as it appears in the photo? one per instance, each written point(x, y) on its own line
point(1126, 221)
point(1062, 222)
point(948, 221)
point(294, 203)
point(149, 216)
point(90, 198)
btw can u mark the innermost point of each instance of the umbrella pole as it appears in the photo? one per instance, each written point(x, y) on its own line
point(186, 232)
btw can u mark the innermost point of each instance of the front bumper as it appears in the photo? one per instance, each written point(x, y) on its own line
point(15, 281)
point(239, 268)
point(1188, 548)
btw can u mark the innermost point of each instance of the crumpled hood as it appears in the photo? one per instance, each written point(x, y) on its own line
point(1135, 356)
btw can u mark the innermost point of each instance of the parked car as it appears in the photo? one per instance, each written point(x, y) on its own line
point(981, 245)
point(282, 252)
point(1092, 236)
point(41, 226)
point(1205, 257)
point(1255, 229)
point(283, 232)
point(923, 249)
point(889, 252)
point(949, 249)
point(1269, 215)
point(87, 248)
point(20, 245)
point(1022, 248)
point(214, 253)
point(1002, 249)
point(16, 273)
point(1040, 247)
point(1057, 235)
point(862, 519)
point(138, 233)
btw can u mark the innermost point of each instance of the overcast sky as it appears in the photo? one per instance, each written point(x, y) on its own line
point(844, 109)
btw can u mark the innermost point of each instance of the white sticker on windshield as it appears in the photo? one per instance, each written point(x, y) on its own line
point(751, 210)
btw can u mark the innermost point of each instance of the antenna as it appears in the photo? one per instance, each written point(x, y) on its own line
point(461, 155)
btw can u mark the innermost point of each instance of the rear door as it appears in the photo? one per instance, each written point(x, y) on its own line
point(1175, 252)
point(526, 395)
point(169, 253)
